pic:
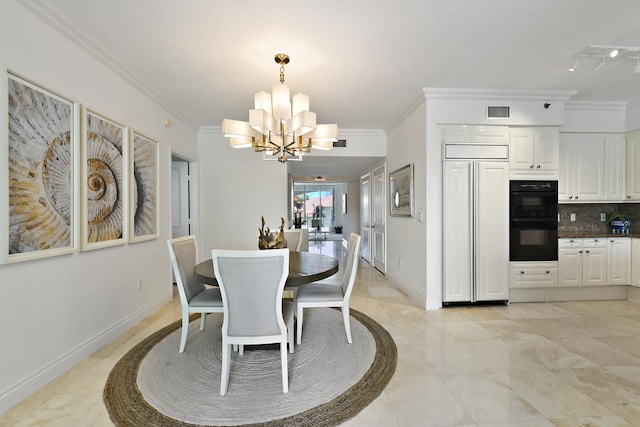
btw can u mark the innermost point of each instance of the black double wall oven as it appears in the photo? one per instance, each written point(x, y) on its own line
point(533, 231)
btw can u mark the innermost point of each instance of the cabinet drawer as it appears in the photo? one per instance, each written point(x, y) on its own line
point(569, 243)
point(599, 242)
point(539, 275)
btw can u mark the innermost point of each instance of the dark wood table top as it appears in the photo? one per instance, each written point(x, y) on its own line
point(304, 267)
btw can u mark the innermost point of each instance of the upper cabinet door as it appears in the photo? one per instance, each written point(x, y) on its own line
point(534, 153)
point(633, 166)
point(546, 149)
point(588, 169)
point(521, 149)
point(581, 177)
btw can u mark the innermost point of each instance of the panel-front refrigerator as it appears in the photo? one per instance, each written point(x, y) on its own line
point(476, 231)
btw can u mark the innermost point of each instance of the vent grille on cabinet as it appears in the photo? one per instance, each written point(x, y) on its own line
point(498, 112)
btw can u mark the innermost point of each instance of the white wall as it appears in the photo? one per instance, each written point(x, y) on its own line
point(237, 187)
point(632, 119)
point(55, 312)
point(406, 236)
point(351, 220)
point(606, 117)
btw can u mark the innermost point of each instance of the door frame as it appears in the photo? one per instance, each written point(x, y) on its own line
point(378, 215)
point(365, 216)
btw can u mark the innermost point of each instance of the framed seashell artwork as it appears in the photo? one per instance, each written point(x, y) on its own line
point(39, 157)
point(144, 212)
point(104, 181)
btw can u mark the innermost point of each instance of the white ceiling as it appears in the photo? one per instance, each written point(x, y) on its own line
point(362, 62)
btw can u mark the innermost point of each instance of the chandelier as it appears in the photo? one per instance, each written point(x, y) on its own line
point(281, 127)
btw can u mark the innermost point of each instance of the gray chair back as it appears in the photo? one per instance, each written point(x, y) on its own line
point(184, 254)
point(251, 283)
point(351, 267)
point(294, 239)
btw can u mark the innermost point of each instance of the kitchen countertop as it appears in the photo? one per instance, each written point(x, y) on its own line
point(591, 235)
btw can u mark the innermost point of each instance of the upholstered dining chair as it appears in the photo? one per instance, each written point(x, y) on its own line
point(294, 239)
point(195, 297)
point(327, 294)
point(251, 283)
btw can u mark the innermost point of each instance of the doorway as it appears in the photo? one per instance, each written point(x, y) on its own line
point(181, 193)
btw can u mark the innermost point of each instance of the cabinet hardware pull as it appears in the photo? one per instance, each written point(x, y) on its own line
point(595, 240)
point(570, 197)
point(547, 271)
point(522, 272)
point(611, 241)
point(586, 252)
point(579, 252)
point(576, 197)
point(531, 167)
point(538, 167)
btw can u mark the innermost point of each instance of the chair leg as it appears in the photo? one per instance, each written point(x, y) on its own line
point(347, 323)
point(185, 330)
point(285, 369)
point(299, 314)
point(203, 318)
point(226, 362)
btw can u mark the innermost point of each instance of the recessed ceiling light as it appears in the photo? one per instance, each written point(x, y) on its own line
point(613, 53)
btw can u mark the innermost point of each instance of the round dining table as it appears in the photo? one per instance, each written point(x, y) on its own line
point(304, 267)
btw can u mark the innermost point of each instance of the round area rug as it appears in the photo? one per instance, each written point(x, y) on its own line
point(330, 380)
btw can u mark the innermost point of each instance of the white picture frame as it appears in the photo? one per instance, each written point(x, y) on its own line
point(39, 155)
point(104, 181)
point(401, 198)
point(145, 195)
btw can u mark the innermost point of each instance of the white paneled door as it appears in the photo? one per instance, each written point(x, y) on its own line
point(365, 216)
point(180, 218)
point(378, 219)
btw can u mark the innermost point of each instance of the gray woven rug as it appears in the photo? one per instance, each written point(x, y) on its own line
point(329, 380)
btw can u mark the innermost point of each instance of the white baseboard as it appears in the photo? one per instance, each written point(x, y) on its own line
point(419, 300)
point(15, 394)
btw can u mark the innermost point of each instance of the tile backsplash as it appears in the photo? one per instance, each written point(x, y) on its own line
point(588, 217)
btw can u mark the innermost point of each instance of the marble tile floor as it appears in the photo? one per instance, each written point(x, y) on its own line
point(534, 365)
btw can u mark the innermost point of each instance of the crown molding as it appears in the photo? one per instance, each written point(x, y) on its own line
point(595, 106)
point(46, 10)
point(516, 94)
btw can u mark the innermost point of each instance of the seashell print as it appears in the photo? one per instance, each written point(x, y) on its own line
point(40, 165)
point(145, 197)
point(104, 180)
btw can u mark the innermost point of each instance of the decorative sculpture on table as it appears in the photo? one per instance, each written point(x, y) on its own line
point(268, 240)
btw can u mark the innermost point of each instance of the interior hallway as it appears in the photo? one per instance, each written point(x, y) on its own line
point(534, 365)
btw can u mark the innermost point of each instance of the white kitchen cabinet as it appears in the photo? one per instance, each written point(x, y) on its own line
point(533, 274)
point(582, 168)
point(534, 152)
point(614, 168)
point(619, 261)
point(633, 166)
point(474, 133)
point(476, 220)
point(583, 262)
point(594, 262)
point(635, 262)
point(569, 262)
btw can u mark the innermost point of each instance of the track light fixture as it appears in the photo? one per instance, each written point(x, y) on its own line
point(575, 64)
point(602, 52)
